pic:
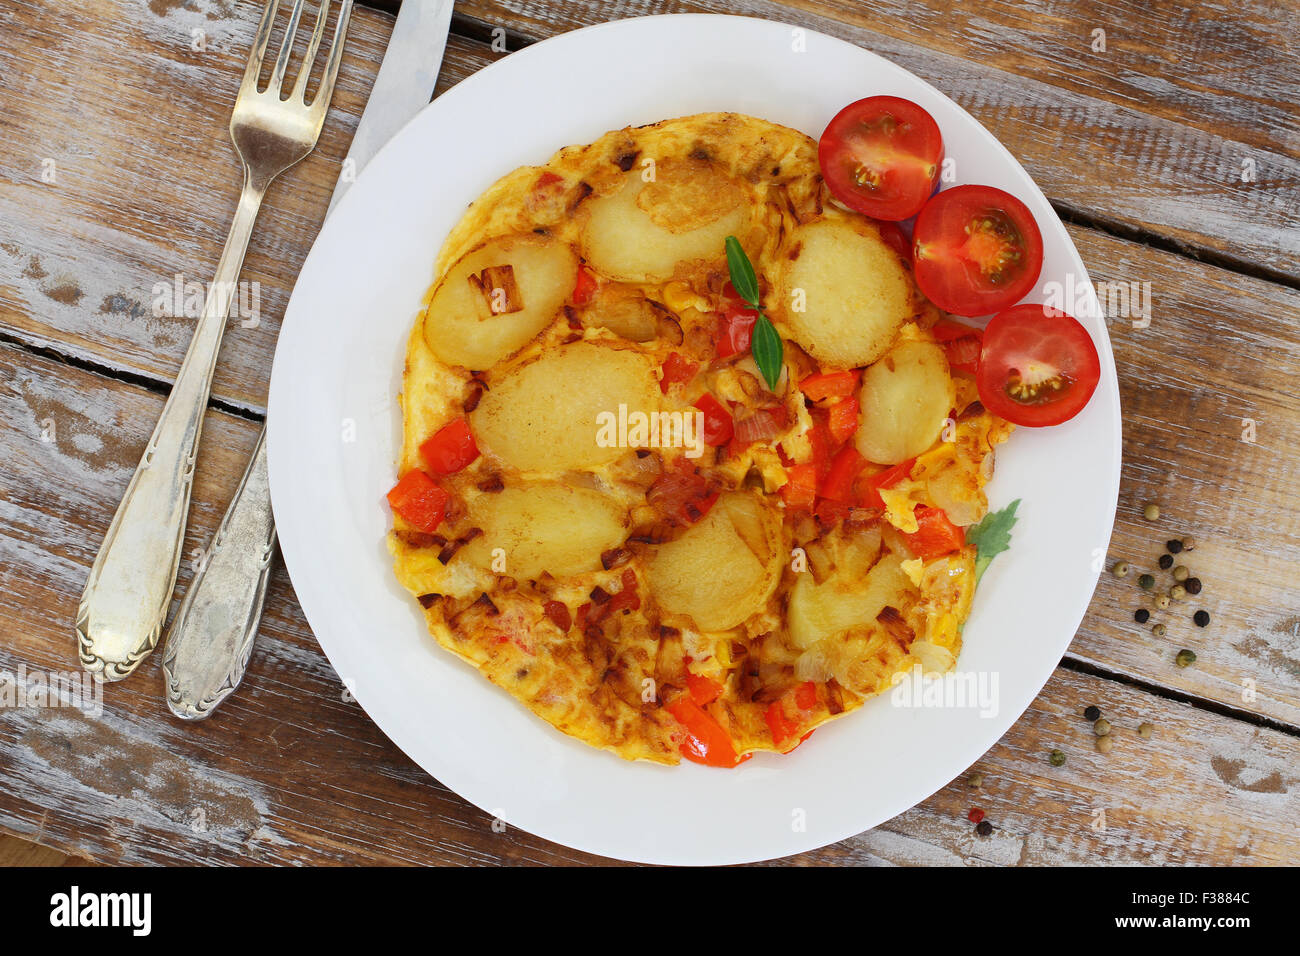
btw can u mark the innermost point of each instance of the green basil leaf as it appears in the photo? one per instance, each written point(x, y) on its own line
point(742, 272)
point(767, 350)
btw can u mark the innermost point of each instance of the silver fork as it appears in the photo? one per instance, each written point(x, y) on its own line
point(125, 602)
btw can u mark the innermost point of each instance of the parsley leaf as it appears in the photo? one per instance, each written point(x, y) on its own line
point(992, 536)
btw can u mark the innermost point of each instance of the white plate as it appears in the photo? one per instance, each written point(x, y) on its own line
point(334, 442)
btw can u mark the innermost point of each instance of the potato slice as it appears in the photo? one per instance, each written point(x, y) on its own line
point(641, 232)
point(497, 297)
point(853, 290)
point(905, 399)
point(724, 568)
point(546, 415)
point(544, 526)
point(845, 601)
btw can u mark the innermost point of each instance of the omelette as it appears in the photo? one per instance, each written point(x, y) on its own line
point(605, 507)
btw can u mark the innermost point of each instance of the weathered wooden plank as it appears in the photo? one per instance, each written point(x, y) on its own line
point(137, 200)
point(1153, 135)
point(291, 771)
point(1210, 430)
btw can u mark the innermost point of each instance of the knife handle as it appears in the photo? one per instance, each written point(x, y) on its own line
point(211, 639)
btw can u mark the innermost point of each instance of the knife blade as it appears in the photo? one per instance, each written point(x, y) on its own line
point(404, 85)
point(211, 639)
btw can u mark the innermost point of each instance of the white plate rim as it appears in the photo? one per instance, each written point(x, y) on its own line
point(302, 565)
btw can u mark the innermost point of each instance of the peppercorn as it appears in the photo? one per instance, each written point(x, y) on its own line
point(1141, 615)
point(984, 828)
point(1120, 569)
point(1189, 544)
point(1092, 713)
point(1162, 602)
point(1201, 618)
point(1057, 758)
point(1166, 560)
point(1146, 582)
point(1158, 630)
point(1144, 729)
point(1192, 585)
point(1178, 592)
point(1180, 573)
point(1174, 545)
point(976, 781)
point(1151, 512)
point(1104, 744)
point(975, 815)
point(1101, 728)
point(1185, 657)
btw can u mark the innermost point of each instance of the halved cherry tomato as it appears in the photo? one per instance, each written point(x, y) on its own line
point(976, 250)
point(821, 385)
point(706, 742)
point(881, 156)
point(420, 501)
point(585, 287)
point(869, 486)
point(935, 535)
point(838, 485)
point(676, 369)
point(842, 418)
point(703, 690)
point(451, 448)
point(1037, 367)
point(735, 331)
point(787, 717)
point(718, 426)
point(800, 488)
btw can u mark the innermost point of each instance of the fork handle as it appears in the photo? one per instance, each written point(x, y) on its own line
point(211, 638)
point(129, 590)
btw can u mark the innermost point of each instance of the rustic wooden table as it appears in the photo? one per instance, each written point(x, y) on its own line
point(1166, 136)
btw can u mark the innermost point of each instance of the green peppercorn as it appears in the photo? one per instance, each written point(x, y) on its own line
point(1162, 602)
point(1120, 569)
point(1101, 728)
point(1104, 744)
point(1147, 582)
point(1201, 618)
point(1185, 657)
point(1057, 758)
point(1145, 729)
point(1092, 713)
point(1180, 573)
point(976, 781)
point(1141, 615)
point(1166, 562)
point(1158, 630)
point(1193, 585)
point(1178, 592)
point(1151, 512)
